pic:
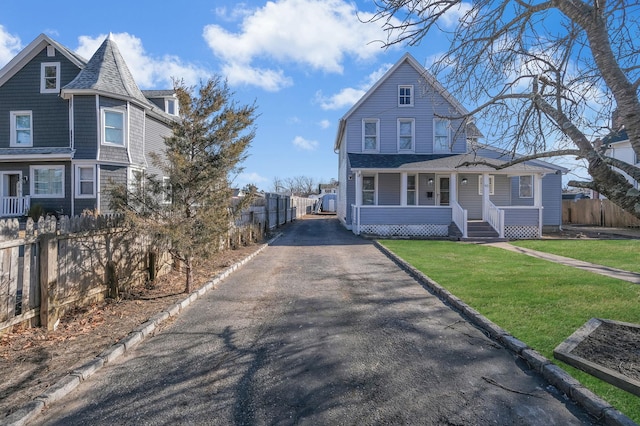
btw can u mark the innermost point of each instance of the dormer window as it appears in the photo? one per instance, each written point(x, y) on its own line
point(171, 106)
point(50, 77)
point(405, 96)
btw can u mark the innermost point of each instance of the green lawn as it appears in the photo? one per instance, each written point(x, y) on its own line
point(621, 254)
point(538, 302)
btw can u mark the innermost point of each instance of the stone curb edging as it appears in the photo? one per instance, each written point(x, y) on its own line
point(554, 375)
point(69, 382)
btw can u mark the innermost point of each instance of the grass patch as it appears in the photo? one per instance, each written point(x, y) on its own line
point(621, 254)
point(538, 302)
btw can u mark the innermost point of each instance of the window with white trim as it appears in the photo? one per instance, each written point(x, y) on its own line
point(171, 106)
point(411, 190)
point(525, 186)
point(21, 129)
point(441, 135)
point(491, 185)
point(50, 77)
point(113, 129)
point(405, 95)
point(85, 182)
point(406, 134)
point(368, 190)
point(47, 181)
point(370, 134)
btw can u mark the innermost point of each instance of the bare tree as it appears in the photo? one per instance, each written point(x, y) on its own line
point(546, 76)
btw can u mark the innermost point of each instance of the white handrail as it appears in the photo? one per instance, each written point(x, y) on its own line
point(459, 217)
point(494, 217)
point(15, 206)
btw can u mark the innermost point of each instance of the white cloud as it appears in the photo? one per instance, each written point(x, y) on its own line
point(253, 178)
point(149, 71)
point(10, 45)
point(349, 95)
point(324, 124)
point(304, 144)
point(452, 17)
point(314, 34)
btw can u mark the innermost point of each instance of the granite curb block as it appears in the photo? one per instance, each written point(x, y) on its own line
point(69, 382)
point(554, 375)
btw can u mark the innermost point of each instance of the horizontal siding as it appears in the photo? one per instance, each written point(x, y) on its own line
point(405, 215)
point(521, 216)
point(52, 205)
point(50, 112)
point(552, 199)
point(383, 104)
point(389, 189)
point(85, 123)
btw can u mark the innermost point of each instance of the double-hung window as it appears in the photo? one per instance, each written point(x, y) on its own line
point(50, 77)
point(85, 181)
point(368, 190)
point(406, 134)
point(113, 127)
point(441, 139)
point(21, 129)
point(405, 96)
point(370, 134)
point(47, 181)
point(411, 190)
point(526, 186)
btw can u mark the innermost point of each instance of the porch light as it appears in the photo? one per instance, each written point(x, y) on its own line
point(430, 181)
point(25, 179)
point(465, 181)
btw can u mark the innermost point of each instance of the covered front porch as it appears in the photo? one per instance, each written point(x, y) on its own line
point(419, 201)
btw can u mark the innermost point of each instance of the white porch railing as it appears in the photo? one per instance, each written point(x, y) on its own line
point(459, 217)
point(15, 206)
point(494, 217)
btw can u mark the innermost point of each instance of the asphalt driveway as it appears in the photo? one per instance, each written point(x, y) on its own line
point(321, 328)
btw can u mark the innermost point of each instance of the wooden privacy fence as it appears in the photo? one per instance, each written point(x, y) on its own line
point(597, 213)
point(281, 209)
point(54, 265)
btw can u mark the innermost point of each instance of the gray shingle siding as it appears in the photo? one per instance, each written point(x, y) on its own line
point(112, 152)
point(109, 177)
point(156, 131)
point(136, 135)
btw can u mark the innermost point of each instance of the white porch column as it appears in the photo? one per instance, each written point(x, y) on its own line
point(537, 200)
point(403, 189)
point(358, 188)
point(485, 195)
point(453, 187)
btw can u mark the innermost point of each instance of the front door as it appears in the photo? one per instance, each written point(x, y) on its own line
point(443, 190)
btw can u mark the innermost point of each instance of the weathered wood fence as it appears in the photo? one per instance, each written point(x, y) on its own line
point(281, 209)
point(597, 213)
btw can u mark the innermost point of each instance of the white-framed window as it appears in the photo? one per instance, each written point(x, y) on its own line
point(50, 77)
point(405, 95)
point(370, 134)
point(406, 134)
point(47, 181)
point(21, 129)
point(166, 190)
point(85, 181)
point(412, 183)
point(441, 135)
point(491, 185)
point(113, 126)
point(368, 190)
point(171, 106)
point(525, 186)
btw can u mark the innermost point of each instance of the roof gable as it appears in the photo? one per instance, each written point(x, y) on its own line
point(31, 51)
point(108, 73)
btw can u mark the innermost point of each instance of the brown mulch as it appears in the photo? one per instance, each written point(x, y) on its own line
point(32, 359)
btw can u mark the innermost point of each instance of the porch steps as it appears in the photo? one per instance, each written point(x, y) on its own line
point(481, 231)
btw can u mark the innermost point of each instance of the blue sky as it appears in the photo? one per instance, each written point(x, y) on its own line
point(304, 62)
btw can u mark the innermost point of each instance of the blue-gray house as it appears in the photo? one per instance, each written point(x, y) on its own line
point(71, 128)
point(408, 167)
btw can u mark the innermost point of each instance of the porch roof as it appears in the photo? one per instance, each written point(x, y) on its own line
point(31, 154)
point(441, 163)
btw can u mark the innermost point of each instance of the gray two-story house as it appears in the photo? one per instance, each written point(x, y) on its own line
point(410, 166)
point(71, 128)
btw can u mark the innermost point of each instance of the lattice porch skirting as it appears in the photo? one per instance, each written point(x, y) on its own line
point(425, 230)
point(521, 232)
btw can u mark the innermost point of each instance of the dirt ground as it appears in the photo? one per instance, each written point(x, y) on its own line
point(32, 359)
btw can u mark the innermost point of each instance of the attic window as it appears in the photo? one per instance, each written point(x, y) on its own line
point(171, 106)
point(50, 77)
point(51, 51)
point(405, 96)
